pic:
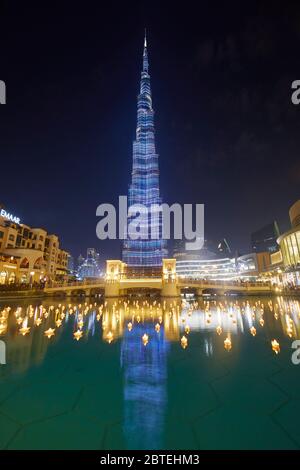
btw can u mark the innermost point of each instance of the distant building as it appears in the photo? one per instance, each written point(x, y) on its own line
point(265, 239)
point(211, 249)
point(253, 265)
point(212, 261)
point(89, 267)
point(71, 264)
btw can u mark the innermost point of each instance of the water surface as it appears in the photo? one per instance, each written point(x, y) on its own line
point(149, 374)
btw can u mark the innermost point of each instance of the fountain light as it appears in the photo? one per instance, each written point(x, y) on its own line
point(24, 330)
point(184, 342)
point(145, 339)
point(157, 327)
point(275, 346)
point(109, 337)
point(49, 333)
point(3, 328)
point(253, 331)
point(227, 344)
point(77, 335)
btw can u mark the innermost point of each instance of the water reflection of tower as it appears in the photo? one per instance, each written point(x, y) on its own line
point(145, 395)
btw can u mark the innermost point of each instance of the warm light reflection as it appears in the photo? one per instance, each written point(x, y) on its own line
point(221, 321)
point(275, 346)
point(227, 344)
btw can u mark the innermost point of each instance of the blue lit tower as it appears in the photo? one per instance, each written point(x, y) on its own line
point(144, 187)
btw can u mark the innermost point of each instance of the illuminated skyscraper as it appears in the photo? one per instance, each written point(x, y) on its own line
point(144, 188)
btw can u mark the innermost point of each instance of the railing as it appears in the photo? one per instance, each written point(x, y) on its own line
point(15, 287)
point(87, 282)
point(222, 283)
point(191, 281)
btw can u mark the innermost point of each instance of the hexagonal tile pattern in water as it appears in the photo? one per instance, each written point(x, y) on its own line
point(67, 432)
point(103, 402)
point(287, 379)
point(39, 401)
point(248, 393)
point(288, 418)
point(179, 435)
point(230, 428)
point(8, 429)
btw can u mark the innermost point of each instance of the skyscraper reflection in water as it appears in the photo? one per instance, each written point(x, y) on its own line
point(145, 381)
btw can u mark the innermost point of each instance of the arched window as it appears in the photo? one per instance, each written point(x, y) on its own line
point(38, 263)
point(12, 278)
point(24, 263)
point(3, 277)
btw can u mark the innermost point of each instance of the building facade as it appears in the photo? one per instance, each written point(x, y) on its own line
point(29, 255)
point(90, 266)
point(265, 239)
point(144, 187)
point(290, 249)
point(212, 261)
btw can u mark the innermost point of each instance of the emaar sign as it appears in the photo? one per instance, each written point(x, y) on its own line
point(9, 216)
point(2, 92)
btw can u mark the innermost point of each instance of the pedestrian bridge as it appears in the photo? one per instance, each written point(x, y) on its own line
point(118, 282)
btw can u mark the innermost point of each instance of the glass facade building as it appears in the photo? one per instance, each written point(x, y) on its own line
point(265, 239)
point(144, 187)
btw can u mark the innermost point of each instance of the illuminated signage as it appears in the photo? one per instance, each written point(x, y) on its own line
point(9, 216)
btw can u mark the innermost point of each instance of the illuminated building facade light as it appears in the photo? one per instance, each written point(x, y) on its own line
point(144, 187)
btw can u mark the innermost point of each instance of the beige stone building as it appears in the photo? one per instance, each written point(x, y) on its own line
point(29, 254)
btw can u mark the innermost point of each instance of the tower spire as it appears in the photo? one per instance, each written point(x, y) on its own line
point(145, 55)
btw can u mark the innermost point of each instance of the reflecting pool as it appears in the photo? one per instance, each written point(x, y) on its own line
point(150, 374)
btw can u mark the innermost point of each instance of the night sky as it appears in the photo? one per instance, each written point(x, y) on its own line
point(226, 131)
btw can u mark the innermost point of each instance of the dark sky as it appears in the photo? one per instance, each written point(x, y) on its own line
point(227, 133)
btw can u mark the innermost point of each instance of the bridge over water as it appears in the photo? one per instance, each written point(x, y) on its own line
point(117, 283)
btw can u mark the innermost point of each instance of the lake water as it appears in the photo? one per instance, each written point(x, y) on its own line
point(149, 374)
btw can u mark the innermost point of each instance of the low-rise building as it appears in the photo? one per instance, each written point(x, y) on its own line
point(29, 255)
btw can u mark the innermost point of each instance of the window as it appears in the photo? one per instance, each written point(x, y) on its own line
point(11, 238)
point(1, 234)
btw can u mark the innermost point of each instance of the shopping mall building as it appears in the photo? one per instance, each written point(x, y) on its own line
point(289, 257)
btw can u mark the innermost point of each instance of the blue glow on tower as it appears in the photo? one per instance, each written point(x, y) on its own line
point(144, 188)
